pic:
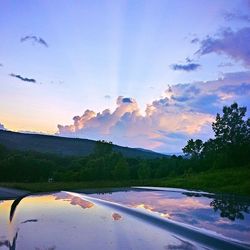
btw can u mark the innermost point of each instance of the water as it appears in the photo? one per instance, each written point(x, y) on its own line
point(125, 219)
point(223, 214)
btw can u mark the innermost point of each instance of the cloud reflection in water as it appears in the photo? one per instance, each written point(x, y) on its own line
point(74, 200)
point(225, 215)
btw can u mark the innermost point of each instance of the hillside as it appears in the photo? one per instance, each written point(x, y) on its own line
point(63, 146)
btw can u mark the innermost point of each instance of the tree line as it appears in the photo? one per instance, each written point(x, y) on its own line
point(230, 147)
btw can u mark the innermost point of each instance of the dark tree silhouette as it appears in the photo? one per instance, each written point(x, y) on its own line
point(230, 208)
point(231, 145)
point(121, 170)
point(103, 147)
point(232, 137)
point(144, 171)
point(193, 148)
point(230, 128)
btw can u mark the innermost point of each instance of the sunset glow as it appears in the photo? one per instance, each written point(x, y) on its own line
point(126, 71)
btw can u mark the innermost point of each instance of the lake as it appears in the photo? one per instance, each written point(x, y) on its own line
point(133, 218)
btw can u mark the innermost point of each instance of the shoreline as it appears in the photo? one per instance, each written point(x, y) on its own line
point(10, 193)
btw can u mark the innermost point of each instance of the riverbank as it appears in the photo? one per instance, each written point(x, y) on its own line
point(231, 181)
point(11, 193)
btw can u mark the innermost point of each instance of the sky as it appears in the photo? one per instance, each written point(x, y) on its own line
point(146, 74)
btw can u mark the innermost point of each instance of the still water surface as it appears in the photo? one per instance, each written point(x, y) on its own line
point(227, 215)
point(135, 218)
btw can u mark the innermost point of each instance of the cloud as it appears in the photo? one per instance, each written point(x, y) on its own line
point(107, 97)
point(210, 96)
point(225, 64)
point(127, 100)
point(25, 79)
point(186, 67)
point(188, 60)
point(35, 39)
point(2, 127)
point(1, 65)
point(235, 44)
point(194, 40)
point(242, 89)
point(237, 15)
point(185, 111)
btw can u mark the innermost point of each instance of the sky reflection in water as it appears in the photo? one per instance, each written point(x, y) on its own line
point(226, 215)
point(17, 216)
point(68, 221)
point(65, 221)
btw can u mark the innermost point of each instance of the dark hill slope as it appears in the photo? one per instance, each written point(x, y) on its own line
point(63, 146)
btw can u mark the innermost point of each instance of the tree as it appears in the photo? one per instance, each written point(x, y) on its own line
point(209, 150)
point(121, 170)
point(3, 150)
point(232, 137)
point(144, 171)
point(230, 128)
point(103, 147)
point(193, 148)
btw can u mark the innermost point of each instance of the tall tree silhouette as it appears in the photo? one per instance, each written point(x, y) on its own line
point(231, 128)
point(193, 148)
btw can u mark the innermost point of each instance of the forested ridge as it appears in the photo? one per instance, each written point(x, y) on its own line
point(230, 148)
point(63, 146)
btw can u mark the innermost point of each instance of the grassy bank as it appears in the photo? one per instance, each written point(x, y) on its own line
point(235, 181)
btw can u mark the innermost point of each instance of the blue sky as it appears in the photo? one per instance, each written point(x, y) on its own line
point(61, 58)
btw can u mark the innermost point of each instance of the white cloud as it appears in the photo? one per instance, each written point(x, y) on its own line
point(2, 127)
point(185, 111)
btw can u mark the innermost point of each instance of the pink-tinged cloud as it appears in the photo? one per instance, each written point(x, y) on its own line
point(185, 111)
point(235, 44)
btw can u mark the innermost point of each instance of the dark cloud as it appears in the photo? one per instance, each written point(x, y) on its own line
point(163, 102)
point(1, 65)
point(242, 89)
point(127, 100)
point(210, 96)
point(181, 98)
point(195, 40)
point(193, 97)
point(235, 44)
point(35, 39)
point(186, 67)
point(25, 79)
point(189, 60)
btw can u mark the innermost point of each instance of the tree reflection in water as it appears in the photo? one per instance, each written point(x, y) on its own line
point(229, 206)
point(11, 246)
point(7, 243)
